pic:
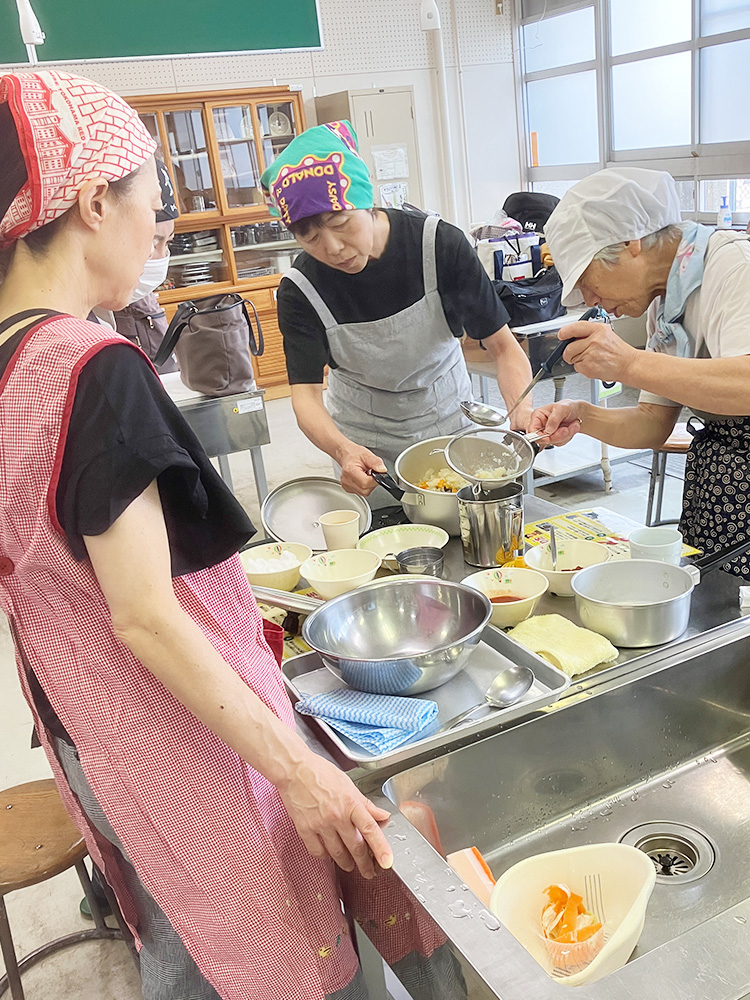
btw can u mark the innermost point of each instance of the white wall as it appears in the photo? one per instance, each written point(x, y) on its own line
point(377, 43)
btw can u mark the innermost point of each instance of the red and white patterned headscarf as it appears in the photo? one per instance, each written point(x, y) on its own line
point(70, 129)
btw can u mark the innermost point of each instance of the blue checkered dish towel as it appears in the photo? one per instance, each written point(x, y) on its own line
point(376, 722)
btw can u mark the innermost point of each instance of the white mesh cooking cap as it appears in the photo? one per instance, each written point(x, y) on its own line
point(610, 206)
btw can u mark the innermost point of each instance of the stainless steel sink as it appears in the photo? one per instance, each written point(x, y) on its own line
point(659, 757)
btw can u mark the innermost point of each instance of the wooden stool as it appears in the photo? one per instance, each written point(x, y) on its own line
point(37, 841)
point(677, 443)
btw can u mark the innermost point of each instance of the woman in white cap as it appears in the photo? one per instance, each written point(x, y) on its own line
point(618, 241)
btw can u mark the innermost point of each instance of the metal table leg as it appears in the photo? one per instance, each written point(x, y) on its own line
point(259, 471)
point(224, 470)
point(605, 463)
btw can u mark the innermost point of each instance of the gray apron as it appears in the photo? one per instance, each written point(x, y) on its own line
point(400, 379)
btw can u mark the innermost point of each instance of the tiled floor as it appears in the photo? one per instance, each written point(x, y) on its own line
point(104, 970)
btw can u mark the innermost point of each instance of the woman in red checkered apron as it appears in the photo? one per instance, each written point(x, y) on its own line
point(139, 645)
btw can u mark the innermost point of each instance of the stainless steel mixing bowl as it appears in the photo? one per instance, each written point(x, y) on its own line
point(399, 636)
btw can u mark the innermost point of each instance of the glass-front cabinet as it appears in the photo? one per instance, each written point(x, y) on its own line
point(216, 147)
point(277, 128)
point(189, 159)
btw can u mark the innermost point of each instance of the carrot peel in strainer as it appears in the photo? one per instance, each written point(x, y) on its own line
point(565, 919)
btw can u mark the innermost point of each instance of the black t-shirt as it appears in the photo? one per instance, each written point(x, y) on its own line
point(124, 432)
point(386, 286)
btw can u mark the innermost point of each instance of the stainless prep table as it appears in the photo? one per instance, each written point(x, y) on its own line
point(225, 425)
point(497, 966)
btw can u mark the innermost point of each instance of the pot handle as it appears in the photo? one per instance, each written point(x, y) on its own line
point(695, 572)
point(715, 559)
point(388, 483)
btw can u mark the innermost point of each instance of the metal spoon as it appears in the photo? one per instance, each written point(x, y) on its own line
point(483, 413)
point(507, 688)
point(490, 416)
point(553, 546)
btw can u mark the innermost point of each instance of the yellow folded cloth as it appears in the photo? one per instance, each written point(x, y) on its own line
point(568, 647)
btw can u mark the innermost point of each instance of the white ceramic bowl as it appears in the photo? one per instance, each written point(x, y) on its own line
point(512, 581)
point(572, 556)
point(278, 579)
point(333, 573)
point(398, 537)
point(618, 878)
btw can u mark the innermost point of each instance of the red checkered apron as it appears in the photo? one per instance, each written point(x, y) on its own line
point(207, 834)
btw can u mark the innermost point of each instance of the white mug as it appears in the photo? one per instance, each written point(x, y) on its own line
point(340, 529)
point(661, 544)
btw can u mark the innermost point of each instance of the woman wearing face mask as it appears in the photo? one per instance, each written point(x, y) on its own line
point(144, 321)
point(140, 649)
point(381, 298)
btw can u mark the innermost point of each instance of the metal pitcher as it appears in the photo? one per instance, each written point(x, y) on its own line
point(491, 524)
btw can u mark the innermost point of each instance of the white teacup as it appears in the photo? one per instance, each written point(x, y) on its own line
point(340, 529)
point(661, 544)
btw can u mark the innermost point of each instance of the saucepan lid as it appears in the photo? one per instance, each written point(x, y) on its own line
point(291, 512)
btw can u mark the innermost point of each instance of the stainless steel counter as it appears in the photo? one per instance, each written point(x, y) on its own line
point(577, 756)
point(715, 602)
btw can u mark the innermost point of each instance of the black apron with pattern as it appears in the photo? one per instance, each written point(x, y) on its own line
point(716, 498)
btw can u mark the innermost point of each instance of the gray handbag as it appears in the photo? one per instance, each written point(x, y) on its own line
point(144, 323)
point(213, 340)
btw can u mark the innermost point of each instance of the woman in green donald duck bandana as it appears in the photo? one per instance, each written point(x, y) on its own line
point(381, 297)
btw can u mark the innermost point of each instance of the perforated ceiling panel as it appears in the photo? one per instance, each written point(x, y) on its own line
point(240, 70)
point(366, 37)
point(359, 36)
point(124, 77)
point(484, 35)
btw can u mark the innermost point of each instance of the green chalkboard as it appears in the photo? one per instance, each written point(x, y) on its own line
point(128, 29)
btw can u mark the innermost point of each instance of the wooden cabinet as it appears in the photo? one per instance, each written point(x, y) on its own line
point(216, 145)
point(384, 121)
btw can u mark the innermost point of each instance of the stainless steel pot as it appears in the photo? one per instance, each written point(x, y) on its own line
point(642, 602)
point(635, 602)
point(430, 507)
point(491, 524)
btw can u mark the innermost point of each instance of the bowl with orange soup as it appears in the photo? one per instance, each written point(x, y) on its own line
point(513, 592)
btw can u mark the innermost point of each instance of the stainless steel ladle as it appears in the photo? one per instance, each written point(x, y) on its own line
point(507, 688)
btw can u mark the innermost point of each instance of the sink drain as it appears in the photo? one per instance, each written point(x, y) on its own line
point(679, 853)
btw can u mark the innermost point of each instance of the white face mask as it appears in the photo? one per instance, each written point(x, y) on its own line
point(153, 274)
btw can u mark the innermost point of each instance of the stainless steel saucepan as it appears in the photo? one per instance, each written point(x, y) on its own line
point(642, 602)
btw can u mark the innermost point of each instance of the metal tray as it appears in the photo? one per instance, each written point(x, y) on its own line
point(305, 674)
point(290, 512)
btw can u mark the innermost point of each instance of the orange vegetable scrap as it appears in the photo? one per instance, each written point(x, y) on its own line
point(565, 919)
point(469, 865)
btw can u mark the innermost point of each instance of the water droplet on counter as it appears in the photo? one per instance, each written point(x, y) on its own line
point(582, 826)
point(450, 888)
point(421, 898)
point(634, 797)
point(606, 811)
point(422, 878)
point(407, 850)
point(400, 836)
point(490, 922)
point(741, 920)
point(464, 887)
point(459, 909)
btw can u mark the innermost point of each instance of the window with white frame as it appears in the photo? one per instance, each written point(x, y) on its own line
point(651, 83)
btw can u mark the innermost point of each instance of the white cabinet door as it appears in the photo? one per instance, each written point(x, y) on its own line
point(388, 143)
